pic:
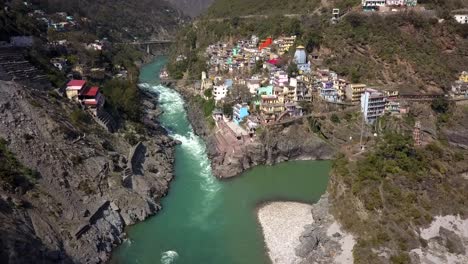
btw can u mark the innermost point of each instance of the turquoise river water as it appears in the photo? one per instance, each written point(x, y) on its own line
point(205, 220)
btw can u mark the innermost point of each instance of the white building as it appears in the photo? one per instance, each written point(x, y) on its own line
point(373, 3)
point(220, 91)
point(461, 16)
point(372, 105)
point(396, 2)
point(253, 85)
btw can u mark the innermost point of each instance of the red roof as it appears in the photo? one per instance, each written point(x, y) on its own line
point(90, 102)
point(273, 61)
point(90, 91)
point(76, 83)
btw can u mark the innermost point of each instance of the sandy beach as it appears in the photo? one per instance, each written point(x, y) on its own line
point(282, 224)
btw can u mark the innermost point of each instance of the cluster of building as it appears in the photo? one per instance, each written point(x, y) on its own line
point(376, 5)
point(259, 66)
point(460, 87)
point(60, 21)
point(89, 97)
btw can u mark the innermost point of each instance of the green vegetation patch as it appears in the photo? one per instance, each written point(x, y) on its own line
point(12, 173)
point(389, 191)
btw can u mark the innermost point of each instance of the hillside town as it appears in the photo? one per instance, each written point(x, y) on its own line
point(258, 82)
point(68, 58)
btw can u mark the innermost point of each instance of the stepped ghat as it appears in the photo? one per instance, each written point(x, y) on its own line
point(14, 67)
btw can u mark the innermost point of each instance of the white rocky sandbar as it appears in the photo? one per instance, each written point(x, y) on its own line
point(282, 224)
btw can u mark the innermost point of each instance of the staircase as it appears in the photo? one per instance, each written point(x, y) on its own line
point(127, 178)
point(106, 120)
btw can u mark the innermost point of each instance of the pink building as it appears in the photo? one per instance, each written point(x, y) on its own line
point(280, 79)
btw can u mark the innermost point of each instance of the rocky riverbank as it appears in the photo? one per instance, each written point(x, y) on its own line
point(273, 145)
point(91, 184)
point(303, 233)
point(324, 240)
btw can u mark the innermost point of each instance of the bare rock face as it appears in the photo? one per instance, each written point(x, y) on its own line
point(274, 146)
point(77, 210)
point(323, 241)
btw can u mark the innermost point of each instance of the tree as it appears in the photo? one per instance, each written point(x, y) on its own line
point(239, 94)
point(335, 119)
point(312, 40)
point(227, 109)
point(294, 27)
point(293, 70)
point(440, 105)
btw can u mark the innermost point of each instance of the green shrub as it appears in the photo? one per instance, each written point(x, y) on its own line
point(79, 117)
point(335, 119)
point(13, 174)
point(440, 105)
point(124, 97)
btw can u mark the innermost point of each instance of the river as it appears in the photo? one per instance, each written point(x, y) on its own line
point(205, 220)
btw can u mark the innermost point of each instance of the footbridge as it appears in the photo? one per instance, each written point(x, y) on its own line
point(148, 44)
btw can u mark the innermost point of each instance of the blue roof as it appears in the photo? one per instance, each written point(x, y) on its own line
point(228, 83)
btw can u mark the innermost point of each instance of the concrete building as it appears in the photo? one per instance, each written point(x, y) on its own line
point(373, 3)
point(253, 85)
point(220, 91)
point(396, 2)
point(239, 112)
point(271, 106)
point(328, 92)
point(280, 79)
point(74, 88)
point(372, 105)
point(461, 18)
point(354, 92)
point(285, 43)
point(92, 99)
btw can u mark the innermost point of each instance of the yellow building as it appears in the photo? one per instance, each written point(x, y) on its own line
point(285, 43)
point(464, 77)
point(271, 106)
point(354, 92)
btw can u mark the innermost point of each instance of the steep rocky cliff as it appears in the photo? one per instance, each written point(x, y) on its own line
point(90, 184)
point(273, 145)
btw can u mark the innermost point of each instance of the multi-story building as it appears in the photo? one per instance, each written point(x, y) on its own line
point(280, 79)
point(271, 106)
point(372, 105)
point(285, 43)
point(354, 92)
point(340, 86)
point(253, 84)
point(220, 91)
point(239, 112)
point(328, 92)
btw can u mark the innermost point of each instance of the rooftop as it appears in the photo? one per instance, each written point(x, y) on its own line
point(76, 83)
point(90, 91)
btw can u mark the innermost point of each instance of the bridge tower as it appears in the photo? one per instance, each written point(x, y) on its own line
point(148, 48)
